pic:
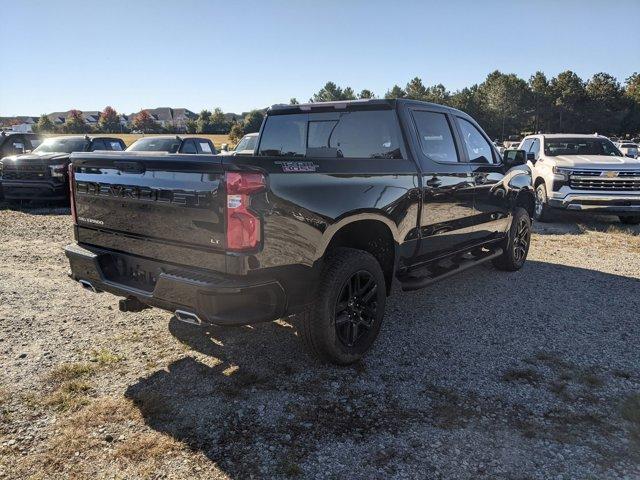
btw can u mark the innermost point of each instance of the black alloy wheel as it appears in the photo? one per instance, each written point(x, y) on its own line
point(356, 308)
point(521, 240)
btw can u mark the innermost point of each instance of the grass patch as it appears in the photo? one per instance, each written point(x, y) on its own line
point(105, 357)
point(71, 371)
point(70, 396)
point(147, 447)
point(526, 375)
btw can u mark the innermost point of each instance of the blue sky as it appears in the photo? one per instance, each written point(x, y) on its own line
point(199, 54)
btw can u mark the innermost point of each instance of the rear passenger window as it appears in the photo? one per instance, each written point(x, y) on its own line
point(204, 147)
point(117, 146)
point(436, 139)
point(98, 145)
point(360, 134)
point(284, 135)
point(478, 148)
point(189, 147)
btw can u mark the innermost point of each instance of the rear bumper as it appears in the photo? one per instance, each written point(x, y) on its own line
point(214, 298)
point(598, 203)
point(34, 190)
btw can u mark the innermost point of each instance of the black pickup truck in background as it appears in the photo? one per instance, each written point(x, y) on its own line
point(340, 200)
point(174, 144)
point(43, 173)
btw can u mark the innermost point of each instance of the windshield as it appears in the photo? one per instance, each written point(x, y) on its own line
point(61, 145)
point(155, 144)
point(580, 146)
point(247, 143)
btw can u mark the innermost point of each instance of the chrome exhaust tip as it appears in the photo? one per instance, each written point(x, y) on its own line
point(88, 285)
point(188, 317)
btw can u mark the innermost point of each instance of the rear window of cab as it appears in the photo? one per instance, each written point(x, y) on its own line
point(350, 134)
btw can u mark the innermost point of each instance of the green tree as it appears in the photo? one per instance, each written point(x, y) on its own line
point(366, 94)
point(542, 99)
point(192, 126)
point(44, 125)
point(253, 121)
point(145, 123)
point(504, 102)
point(236, 133)
point(109, 121)
point(437, 94)
point(75, 123)
point(395, 92)
point(204, 122)
point(294, 101)
point(331, 93)
point(219, 123)
point(632, 87)
point(415, 89)
point(606, 109)
point(569, 98)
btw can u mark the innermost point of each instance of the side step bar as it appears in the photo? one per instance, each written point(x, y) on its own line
point(416, 283)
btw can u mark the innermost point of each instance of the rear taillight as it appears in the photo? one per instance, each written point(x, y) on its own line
point(243, 225)
point(72, 193)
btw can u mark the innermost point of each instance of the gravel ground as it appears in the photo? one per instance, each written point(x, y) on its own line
point(533, 374)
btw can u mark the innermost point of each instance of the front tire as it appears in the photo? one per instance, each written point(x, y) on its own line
point(517, 245)
point(344, 321)
point(630, 219)
point(541, 211)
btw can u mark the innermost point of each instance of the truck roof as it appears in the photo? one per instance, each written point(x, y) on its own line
point(357, 104)
point(567, 135)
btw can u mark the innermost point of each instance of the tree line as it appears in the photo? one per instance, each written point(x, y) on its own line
point(504, 104)
point(109, 122)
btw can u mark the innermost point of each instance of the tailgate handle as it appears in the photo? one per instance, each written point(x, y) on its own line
point(130, 167)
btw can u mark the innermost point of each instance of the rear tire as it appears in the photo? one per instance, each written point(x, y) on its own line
point(630, 219)
point(517, 245)
point(541, 211)
point(343, 322)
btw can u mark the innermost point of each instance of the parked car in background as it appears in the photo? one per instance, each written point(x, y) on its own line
point(583, 173)
point(338, 201)
point(246, 145)
point(629, 149)
point(42, 174)
point(16, 143)
point(174, 144)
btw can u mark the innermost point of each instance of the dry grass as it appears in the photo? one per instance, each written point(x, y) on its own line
point(71, 371)
point(108, 439)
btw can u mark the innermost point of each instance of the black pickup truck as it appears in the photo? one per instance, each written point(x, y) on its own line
point(339, 200)
point(43, 173)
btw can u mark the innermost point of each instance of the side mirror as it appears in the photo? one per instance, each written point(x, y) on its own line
point(531, 157)
point(512, 158)
point(224, 147)
point(27, 151)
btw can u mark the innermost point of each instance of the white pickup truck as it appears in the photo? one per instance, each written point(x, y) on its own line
point(583, 173)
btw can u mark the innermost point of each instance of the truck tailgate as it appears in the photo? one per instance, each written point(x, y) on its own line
point(165, 207)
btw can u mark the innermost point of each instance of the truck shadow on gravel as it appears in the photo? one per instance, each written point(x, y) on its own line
point(506, 375)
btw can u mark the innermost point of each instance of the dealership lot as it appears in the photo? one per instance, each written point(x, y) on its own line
point(532, 374)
